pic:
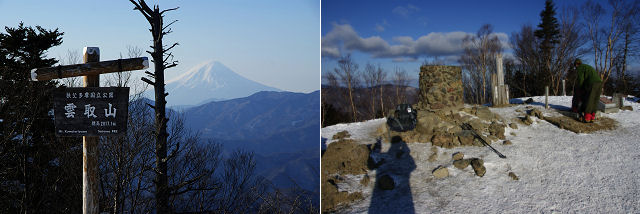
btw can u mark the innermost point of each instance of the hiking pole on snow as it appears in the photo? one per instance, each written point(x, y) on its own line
point(466, 126)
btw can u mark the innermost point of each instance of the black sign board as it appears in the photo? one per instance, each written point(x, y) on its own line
point(91, 111)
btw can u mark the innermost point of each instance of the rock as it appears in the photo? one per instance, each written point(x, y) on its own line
point(426, 122)
point(627, 108)
point(478, 125)
point(433, 157)
point(537, 113)
point(490, 139)
point(440, 87)
point(478, 166)
point(440, 172)
point(365, 180)
point(484, 113)
point(386, 182)
point(513, 176)
point(443, 140)
point(513, 126)
point(465, 137)
point(476, 142)
point(497, 129)
point(458, 156)
point(345, 157)
point(506, 142)
point(527, 120)
point(331, 198)
point(341, 135)
point(528, 101)
point(461, 164)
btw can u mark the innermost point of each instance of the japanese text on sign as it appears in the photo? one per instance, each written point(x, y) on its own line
point(91, 111)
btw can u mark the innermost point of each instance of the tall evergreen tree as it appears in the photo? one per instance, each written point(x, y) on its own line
point(548, 30)
point(39, 173)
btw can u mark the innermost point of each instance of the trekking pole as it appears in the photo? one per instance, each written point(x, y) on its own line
point(466, 126)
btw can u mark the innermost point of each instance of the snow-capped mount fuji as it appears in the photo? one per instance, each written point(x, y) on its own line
point(210, 81)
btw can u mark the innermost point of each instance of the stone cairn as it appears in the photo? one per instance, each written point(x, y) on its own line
point(441, 112)
point(440, 87)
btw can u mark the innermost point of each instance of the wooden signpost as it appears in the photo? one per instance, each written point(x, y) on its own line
point(91, 70)
point(499, 89)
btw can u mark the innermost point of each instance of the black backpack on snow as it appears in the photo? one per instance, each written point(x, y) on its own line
point(403, 119)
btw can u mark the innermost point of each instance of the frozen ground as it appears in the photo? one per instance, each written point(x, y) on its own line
point(559, 171)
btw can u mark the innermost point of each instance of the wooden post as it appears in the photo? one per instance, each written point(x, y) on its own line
point(499, 69)
point(564, 91)
point(507, 89)
point(546, 97)
point(91, 70)
point(90, 180)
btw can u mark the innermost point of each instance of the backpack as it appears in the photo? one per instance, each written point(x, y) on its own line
point(403, 119)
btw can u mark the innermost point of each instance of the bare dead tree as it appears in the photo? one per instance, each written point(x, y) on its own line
point(526, 53)
point(478, 58)
point(162, 60)
point(567, 49)
point(606, 39)
point(381, 77)
point(370, 78)
point(71, 57)
point(400, 81)
point(347, 73)
point(630, 44)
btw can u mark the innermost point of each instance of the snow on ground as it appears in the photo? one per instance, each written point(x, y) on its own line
point(560, 171)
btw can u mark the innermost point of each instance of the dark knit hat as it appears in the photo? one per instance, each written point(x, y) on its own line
point(577, 61)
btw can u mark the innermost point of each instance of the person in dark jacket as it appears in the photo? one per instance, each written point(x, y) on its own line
point(587, 89)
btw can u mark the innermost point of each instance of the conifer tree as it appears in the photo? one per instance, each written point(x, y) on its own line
point(548, 33)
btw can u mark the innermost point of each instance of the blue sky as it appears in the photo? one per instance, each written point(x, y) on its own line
point(367, 29)
point(275, 43)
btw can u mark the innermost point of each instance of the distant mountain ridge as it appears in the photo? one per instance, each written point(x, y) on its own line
point(281, 128)
point(209, 81)
point(257, 116)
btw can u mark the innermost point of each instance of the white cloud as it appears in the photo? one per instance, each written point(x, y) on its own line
point(405, 11)
point(401, 48)
point(379, 28)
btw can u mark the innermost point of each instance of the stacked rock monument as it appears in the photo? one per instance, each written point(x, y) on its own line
point(441, 112)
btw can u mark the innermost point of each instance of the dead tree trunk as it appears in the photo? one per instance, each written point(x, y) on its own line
point(162, 59)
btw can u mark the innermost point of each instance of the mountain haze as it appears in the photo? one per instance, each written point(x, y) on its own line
point(209, 81)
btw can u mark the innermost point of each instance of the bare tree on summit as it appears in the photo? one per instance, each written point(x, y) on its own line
point(347, 73)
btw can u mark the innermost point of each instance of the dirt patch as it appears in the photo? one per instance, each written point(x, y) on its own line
point(566, 120)
point(341, 157)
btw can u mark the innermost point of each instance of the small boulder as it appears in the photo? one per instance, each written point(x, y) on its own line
point(513, 176)
point(434, 154)
point(478, 166)
point(478, 125)
point(528, 101)
point(627, 108)
point(443, 140)
point(527, 120)
point(365, 180)
point(506, 142)
point(458, 156)
point(497, 129)
point(341, 135)
point(440, 172)
point(513, 126)
point(386, 182)
point(490, 139)
point(484, 113)
point(461, 164)
point(465, 137)
point(537, 113)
